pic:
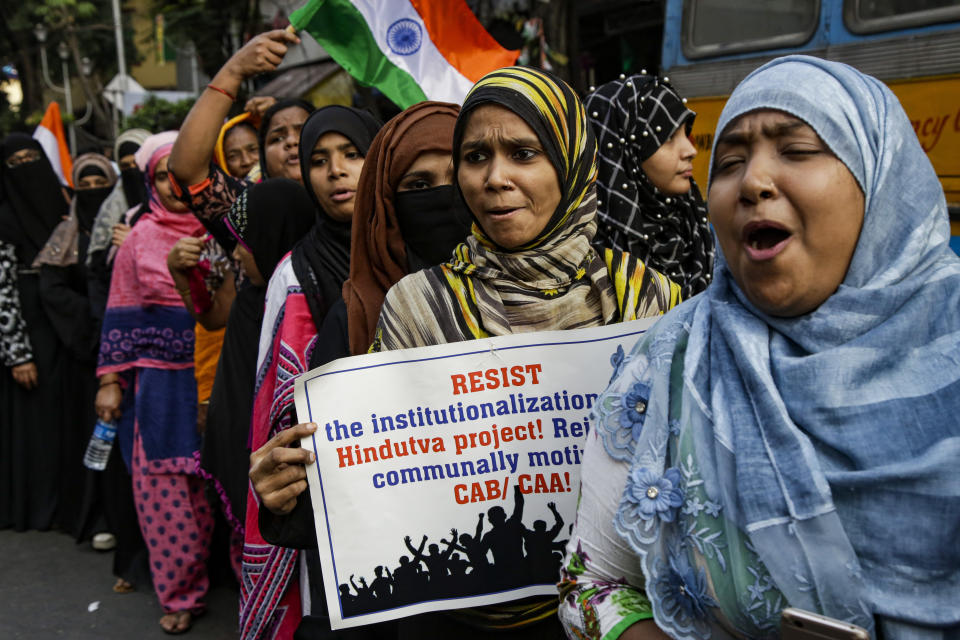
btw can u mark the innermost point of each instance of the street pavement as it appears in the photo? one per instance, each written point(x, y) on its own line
point(51, 587)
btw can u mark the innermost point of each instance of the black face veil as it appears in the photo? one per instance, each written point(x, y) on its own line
point(33, 203)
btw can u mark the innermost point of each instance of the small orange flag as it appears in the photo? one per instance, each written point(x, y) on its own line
point(49, 133)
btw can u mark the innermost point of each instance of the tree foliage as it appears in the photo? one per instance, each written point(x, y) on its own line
point(158, 115)
point(208, 24)
point(87, 28)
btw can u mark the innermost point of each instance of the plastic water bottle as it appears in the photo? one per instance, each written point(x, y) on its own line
point(98, 450)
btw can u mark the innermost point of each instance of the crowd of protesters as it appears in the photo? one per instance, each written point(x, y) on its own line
point(800, 398)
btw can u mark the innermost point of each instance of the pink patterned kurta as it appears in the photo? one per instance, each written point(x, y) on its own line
point(270, 605)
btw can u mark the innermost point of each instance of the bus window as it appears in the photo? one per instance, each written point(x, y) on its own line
point(872, 16)
point(717, 27)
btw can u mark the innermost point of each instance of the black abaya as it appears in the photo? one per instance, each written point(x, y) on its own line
point(33, 433)
point(269, 218)
point(224, 453)
point(32, 437)
point(87, 495)
point(63, 294)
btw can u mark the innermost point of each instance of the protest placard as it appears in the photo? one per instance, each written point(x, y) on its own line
point(447, 476)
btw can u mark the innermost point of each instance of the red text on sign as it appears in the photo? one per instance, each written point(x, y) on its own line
point(515, 376)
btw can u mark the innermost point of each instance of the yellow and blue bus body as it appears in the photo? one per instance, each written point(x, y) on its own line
point(710, 45)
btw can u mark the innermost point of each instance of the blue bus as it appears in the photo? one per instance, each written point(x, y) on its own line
point(708, 46)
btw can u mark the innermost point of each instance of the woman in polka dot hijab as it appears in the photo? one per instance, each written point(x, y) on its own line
point(649, 204)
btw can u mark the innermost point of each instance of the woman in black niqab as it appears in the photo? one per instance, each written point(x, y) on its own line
point(33, 421)
point(66, 298)
point(33, 202)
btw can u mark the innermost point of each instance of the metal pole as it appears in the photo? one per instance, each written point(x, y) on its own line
point(234, 36)
point(40, 33)
point(69, 100)
point(194, 69)
point(121, 66)
point(46, 71)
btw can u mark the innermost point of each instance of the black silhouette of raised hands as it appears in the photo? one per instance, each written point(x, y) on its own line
point(417, 553)
point(453, 541)
point(517, 503)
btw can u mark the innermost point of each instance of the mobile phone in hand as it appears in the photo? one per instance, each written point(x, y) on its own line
point(797, 624)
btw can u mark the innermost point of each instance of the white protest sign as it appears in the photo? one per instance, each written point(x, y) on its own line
point(447, 476)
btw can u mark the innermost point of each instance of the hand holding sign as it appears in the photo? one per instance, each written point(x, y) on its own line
point(421, 438)
point(277, 471)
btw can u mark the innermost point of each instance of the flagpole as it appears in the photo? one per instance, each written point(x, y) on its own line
point(121, 66)
point(68, 97)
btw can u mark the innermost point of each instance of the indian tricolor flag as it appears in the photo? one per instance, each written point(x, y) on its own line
point(411, 50)
point(49, 133)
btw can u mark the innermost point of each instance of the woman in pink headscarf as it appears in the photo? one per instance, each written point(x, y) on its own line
point(147, 384)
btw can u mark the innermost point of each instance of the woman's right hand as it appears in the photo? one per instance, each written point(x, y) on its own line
point(262, 53)
point(109, 397)
point(277, 471)
point(26, 375)
point(119, 233)
point(184, 254)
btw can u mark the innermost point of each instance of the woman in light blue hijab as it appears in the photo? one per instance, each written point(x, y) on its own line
point(790, 437)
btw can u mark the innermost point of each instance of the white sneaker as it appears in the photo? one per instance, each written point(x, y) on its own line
point(104, 541)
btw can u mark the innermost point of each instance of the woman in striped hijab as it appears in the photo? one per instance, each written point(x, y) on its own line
point(525, 166)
